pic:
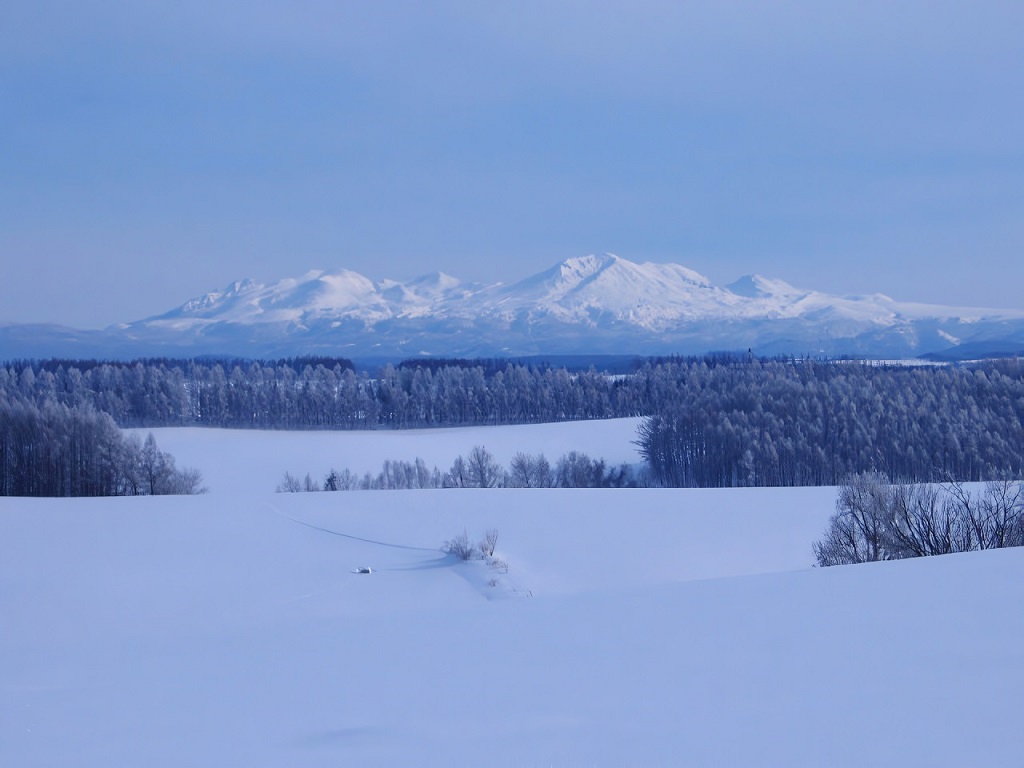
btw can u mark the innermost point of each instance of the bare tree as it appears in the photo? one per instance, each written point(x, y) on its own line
point(577, 470)
point(482, 469)
point(923, 521)
point(995, 517)
point(857, 531)
point(528, 471)
point(154, 466)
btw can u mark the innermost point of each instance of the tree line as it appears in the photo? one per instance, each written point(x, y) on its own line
point(317, 395)
point(56, 450)
point(478, 469)
point(769, 423)
point(714, 421)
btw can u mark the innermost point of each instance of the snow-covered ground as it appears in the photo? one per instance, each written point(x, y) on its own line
point(646, 627)
point(235, 460)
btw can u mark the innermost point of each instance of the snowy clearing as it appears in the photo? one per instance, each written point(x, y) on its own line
point(234, 460)
point(664, 627)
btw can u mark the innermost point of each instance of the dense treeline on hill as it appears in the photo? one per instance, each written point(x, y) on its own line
point(813, 424)
point(715, 421)
point(60, 451)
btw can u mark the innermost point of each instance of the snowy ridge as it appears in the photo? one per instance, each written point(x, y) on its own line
point(597, 304)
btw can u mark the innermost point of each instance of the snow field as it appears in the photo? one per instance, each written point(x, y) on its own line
point(239, 460)
point(665, 627)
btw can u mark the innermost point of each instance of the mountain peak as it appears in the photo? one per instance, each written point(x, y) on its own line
point(615, 273)
point(760, 287)
point(584, 304)
point(588, 265)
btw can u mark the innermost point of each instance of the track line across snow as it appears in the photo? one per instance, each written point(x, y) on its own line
point(278, 512)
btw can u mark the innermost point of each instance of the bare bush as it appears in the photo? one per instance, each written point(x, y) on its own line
point(459, 546)
point(489, 542)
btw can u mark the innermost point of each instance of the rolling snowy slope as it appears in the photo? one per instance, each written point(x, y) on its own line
point(231, 630)
point(626, 627)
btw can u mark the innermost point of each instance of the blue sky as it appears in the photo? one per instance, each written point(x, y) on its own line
point(150, 153)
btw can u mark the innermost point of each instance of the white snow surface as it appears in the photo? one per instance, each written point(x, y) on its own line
point(632, 628)
point(234, 460)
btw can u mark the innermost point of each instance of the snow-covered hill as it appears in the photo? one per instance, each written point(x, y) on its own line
point(587, 305)
point(631, 627)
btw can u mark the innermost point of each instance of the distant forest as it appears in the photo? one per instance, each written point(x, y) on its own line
point(710, 422)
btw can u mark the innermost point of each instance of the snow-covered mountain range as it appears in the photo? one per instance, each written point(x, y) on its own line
point(586, 305)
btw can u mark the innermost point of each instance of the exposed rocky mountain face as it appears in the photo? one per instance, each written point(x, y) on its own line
point(587, 305)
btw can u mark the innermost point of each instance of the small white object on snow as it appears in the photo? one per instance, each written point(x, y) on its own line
point(363, 570)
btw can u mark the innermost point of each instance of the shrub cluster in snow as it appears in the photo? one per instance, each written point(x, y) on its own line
point(879, 520)
point(461, 547)
point(494, 575)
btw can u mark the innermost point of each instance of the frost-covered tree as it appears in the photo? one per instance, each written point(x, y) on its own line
point(577, 470)
point(458, 475)
point(879, 520)
point(482, 469)
point(528, 471)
